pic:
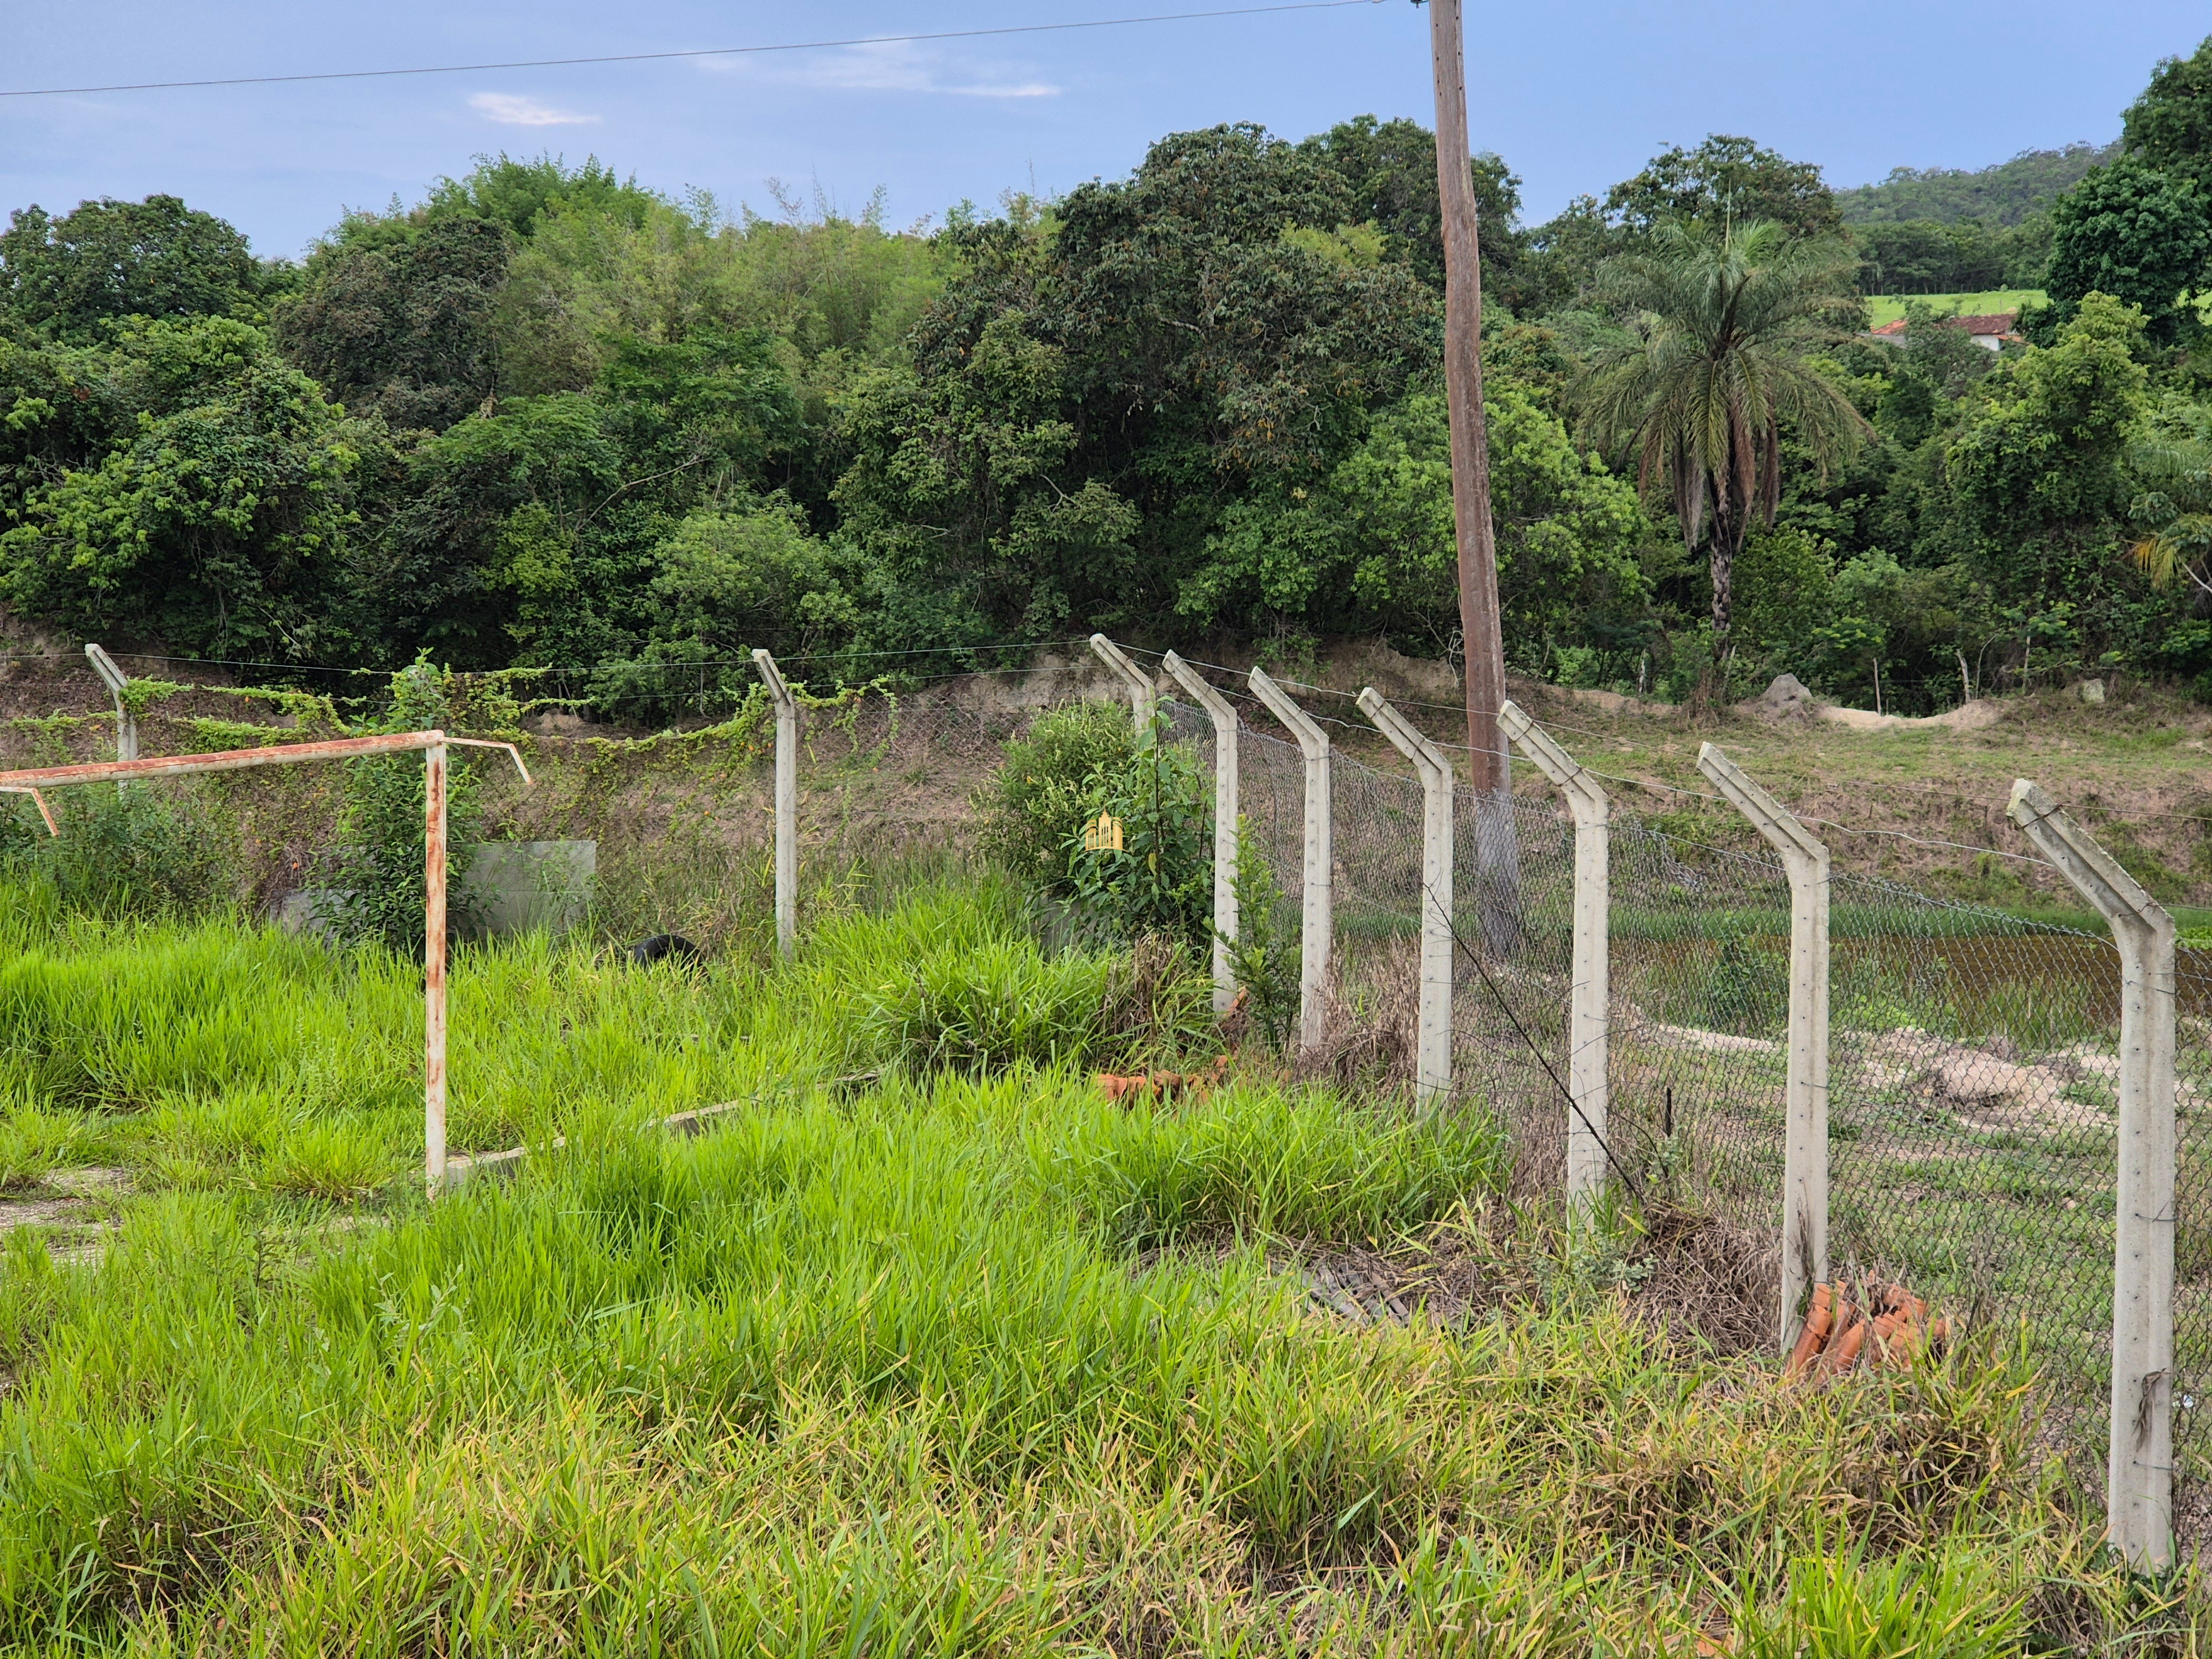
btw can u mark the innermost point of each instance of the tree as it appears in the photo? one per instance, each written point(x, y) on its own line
point(2010, 193)
point(220, 522)
point(62, 278)
point(2170, 126)
point(1391, 168)
point(2173, 473)
point(523, 195)
point(1723, 317)
point(401, 323)
point(1725, 178)
point(2135, 233)
point(2039, 482)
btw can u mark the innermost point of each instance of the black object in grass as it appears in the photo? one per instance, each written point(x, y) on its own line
point(665, 947)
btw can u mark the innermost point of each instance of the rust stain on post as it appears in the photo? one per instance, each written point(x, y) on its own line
point(433, 966)
point(224, 760)
point(433, 746)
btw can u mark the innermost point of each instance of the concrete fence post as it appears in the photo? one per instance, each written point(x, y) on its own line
point(786, 803)
point(433, 966)
point(1316, 932)
point(1142, 693)
point(1433, 1052)
point(1224, 717)
point(1589, 1013)
point(2139, 1469)
point(126, 723)
point(1805, 1173)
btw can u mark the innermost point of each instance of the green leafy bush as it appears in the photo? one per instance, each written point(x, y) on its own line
point(1042, 787)
point(1265, 956)
point(134, 852)
point(1160, 879)
point(378, 884)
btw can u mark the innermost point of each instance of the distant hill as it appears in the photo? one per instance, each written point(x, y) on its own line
point(2001, 195)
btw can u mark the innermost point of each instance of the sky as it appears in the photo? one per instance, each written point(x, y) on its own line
point(1574, 94)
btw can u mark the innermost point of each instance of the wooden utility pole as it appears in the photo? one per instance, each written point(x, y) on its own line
point(1481, 640)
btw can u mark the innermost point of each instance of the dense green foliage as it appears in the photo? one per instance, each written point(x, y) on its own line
point(2009, 193)
point(546, 417)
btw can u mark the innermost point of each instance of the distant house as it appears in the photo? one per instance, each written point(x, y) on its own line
point(1994, 331)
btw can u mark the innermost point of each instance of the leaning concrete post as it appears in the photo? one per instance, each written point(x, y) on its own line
point(1589, 1007)
point(2139, 1474)
point(1316, 934)
point(1141, 690)
point(433, 966)
point(1225, 823)
point(1433, 1052)
point(126, 723)
point(1805, 1173)
point(787, 804)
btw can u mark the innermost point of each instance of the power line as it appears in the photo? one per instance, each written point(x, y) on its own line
point(705, 51)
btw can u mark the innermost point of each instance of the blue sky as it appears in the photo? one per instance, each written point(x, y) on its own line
point(1574, 95)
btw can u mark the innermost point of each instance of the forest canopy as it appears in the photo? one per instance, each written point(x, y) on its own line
point(548, 418)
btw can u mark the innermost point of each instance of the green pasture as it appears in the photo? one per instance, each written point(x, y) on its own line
point(1888, 307)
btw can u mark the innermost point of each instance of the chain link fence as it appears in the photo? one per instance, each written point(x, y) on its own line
point(1973, 1064)
point(1974, 1054)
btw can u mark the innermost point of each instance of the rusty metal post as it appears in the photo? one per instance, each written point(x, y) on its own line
point(433, 746)
point(2139, 1466)
point(1805, 1159)
point(787, 804)
point(433, 966)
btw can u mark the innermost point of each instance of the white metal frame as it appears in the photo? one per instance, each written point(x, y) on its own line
point(1317, 926)
point(1432, 1061)
point(786, 803)
point(1589, 1020)
point(1224, 716)
point(433, 746)
point(1805, 1173)
point(2139, 1468)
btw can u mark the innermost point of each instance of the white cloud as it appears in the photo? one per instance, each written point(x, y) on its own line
point(903, 66)
point(510, 110)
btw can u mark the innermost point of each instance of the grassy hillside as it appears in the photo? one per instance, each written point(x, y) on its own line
point(1888, 307)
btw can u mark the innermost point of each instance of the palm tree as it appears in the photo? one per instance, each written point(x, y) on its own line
point(1720, 320)
point(2176, 505)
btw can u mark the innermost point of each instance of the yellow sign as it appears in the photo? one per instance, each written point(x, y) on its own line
point(1104, 836)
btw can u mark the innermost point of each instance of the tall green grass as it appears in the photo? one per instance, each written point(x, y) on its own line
point(882, 1372)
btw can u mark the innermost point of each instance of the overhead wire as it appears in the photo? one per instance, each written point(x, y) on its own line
point(689, 52)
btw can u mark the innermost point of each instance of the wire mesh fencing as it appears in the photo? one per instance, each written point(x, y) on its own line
point(1973, 1058)
point(1973, 1064)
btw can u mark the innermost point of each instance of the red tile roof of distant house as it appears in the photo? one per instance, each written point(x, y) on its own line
point(1996, 325)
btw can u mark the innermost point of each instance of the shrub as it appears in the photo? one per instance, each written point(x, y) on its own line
point(1160, 880)
point(1265, 956)
point(133, 852)
point(378, 883)
point(1041, 790)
